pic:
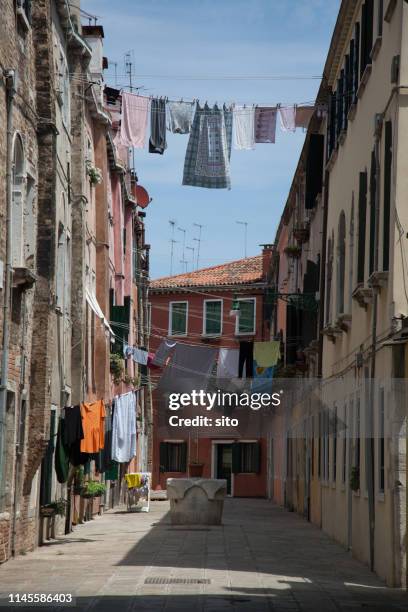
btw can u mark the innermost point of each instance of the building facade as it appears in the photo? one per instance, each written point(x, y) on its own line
point(196, 309)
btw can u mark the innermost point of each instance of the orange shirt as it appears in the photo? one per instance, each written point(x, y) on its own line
point(93, 425)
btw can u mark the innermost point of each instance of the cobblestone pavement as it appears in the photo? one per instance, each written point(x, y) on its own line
point(262, 558)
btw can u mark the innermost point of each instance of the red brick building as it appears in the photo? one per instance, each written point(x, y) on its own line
point(195, 308)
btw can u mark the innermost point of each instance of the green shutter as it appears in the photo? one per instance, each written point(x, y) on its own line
point(246, 316)
point(257, 457)
point(213, 317)
point(179, 318)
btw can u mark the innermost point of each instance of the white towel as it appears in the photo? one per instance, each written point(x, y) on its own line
point(287, 116)
point(227, 366)
point(244, 127)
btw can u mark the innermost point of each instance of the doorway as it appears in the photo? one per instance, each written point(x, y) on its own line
point(223, 463)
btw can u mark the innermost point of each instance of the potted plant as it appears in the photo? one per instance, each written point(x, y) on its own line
point(57, 507)
point(293, 251)
point(355, 478)
point(93, 488)
point(94, 173)
point(117, 367)
point(301, 233)
point(195, 469)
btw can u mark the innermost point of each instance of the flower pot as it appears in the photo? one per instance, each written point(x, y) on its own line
point(195, 470)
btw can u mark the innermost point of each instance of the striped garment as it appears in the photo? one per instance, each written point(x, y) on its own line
point(209, 149)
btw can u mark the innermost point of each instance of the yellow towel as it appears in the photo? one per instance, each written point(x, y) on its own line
point(266, 354)
point(133, 480)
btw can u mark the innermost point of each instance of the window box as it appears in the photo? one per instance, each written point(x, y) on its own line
point(178, 318)
point(293, 251)
point(301, 233)
point(245, 321)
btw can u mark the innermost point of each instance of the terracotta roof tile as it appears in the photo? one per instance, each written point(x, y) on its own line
point(239, 272)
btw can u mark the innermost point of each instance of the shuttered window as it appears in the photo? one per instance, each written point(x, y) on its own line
point(314, 170)
point(212, 317)
point(178, 318)
point(372, 213)
point(367, 22)
point(362, 212)
point(356, 78)
point(173, 456)
point(246, 318)
point(246, 457)
point(387, 193)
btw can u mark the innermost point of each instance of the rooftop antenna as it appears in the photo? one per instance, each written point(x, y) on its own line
point(193, 251)
point(116, 73)
point(181, 229)
point(172, 223)
point(128, 68)
point(198, 240)
point(245, 224)
point(184, 263)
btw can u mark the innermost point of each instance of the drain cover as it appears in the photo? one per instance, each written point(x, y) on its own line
point(161, 580)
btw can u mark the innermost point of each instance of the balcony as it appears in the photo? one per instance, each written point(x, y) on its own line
point(332, 332)
point(362, 295)
point(23, 278)
point(378, 280)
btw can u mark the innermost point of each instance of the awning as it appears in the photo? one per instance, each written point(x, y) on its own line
point(93, 303)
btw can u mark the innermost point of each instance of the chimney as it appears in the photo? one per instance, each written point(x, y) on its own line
point(267, 253)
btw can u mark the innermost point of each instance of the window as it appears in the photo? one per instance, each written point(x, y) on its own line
point(212, 318)
point(387, 193)
point(345, 436)
point(246, 457)
point(367, 21)
point(178, 318)
point(351, 255)
point(245, 322)
point(362, 212)
point(357, 435)
point(329, 274)
point(381, 442)
point(372, 214)
point(173, 456)
point(18, 204)
point(341, 262)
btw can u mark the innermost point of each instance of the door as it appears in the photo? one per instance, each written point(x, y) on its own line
point(224, 463)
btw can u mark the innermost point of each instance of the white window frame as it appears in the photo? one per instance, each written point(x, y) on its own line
point(171, 316)
point(252, 333)
point(205, 333)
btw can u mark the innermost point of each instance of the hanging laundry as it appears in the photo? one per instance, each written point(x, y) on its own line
point(180, 117)
point(157, 141)
point(189, 368)
point(61, 454)
point(93, 415)
point(140, 356)
point(265, 124)
point(287, 118)
point(150, 360)
point(164, 351)
point(133, 121)
point(124, 428)
point(73, 434)
point(133, 480)
point(228, 360)
point(244, 127)
point(246, 358)
point(127, 351)
point(266, 354)
point(303, 116)
point(262, 379)
point(209, 149)
point(103, 460)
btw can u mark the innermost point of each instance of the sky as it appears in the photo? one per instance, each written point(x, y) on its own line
point(191, 49)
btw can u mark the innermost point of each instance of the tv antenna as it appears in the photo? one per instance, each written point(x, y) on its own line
point(172, 223)
point(245, 224)
point(189, 248)
point(181, 229)
point(198, 240)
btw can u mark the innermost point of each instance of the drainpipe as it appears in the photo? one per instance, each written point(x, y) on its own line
point(370, 440)
point(10, 82)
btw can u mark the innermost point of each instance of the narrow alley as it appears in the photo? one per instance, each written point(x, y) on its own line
point(261, 558)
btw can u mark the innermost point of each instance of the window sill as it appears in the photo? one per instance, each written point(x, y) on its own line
point(390, 10)
point(178, 335)
point(23, 277)
point(356, 493)
point(211, 336)
point(343, 322)
point(378, 280)
point(22, 19)
point(376, 48)
point(243, 334)
point(363, 296)
point(364, 80)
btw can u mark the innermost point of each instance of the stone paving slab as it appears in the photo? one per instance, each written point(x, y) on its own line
point(262, 559)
